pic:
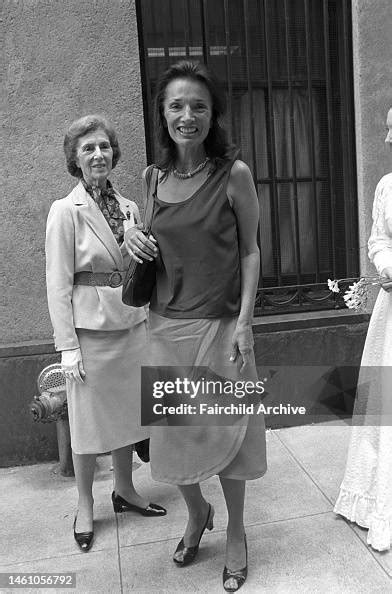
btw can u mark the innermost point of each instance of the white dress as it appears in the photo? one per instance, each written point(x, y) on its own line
point(365, 495)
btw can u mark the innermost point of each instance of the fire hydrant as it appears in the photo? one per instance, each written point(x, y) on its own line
point(51, 406)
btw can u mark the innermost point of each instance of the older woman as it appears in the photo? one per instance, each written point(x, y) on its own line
point(101, 340)
point(204, 240)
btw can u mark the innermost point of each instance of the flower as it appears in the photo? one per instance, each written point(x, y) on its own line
point(356, 296)
point(333, 286)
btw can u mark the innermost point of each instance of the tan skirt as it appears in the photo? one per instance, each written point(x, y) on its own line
point(104, 411)
point(190, 454)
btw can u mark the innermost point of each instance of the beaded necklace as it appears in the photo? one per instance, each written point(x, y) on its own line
point(190, 174)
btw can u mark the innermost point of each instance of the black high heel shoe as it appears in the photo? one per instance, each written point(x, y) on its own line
point(84, 540)
point(120, 504)
point(234, 580)
point(184, 555)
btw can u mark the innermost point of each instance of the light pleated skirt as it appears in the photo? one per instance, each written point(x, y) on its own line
point(190, 454)
point(104, 411)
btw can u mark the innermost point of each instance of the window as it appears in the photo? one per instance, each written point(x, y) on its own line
point(286, 67)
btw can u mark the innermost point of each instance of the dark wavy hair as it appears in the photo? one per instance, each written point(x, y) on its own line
point(79, 128)
point(217, 145)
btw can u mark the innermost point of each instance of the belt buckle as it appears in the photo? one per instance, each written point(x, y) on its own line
point(115, 279)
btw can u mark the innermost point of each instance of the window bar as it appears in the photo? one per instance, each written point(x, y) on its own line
point(308, 39)
point(261, 86)
point(292, 142)
point(250, 93)
point(275, 224)
point(228, 68)
point(250, 89)
point(328, 85)
point(204, 30)
point(150, 11)
point(145, 74)
point(166, 35)
point(300, 179)
point(350, 224)
point(186, 28)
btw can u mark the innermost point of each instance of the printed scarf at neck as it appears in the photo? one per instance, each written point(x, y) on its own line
point(110, 208)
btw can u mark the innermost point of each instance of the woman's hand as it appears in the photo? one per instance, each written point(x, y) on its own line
point(72, 365)
point(138, 245)
point(242, 344)
point(387, 273)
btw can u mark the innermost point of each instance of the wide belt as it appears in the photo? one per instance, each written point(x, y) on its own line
point(99, 279)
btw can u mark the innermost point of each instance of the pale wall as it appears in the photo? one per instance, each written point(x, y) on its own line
point(372, 48)
point(65, 58)
point(61, 59)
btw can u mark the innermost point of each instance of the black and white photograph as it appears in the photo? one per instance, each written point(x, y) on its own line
point(196, 296)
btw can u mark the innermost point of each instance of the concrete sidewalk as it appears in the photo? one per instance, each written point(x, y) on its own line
point(296, 543)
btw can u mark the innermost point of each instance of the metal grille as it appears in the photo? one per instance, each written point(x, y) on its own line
point(286, 68)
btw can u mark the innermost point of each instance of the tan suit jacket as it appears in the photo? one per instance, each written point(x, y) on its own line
point(79, 238)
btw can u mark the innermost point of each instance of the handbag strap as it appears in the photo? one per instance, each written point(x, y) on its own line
point(150, 189)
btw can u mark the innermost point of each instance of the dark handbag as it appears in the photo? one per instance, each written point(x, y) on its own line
point(140, 279)
point(142, 449)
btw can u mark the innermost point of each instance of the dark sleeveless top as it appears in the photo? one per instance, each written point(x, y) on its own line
point(198, 269)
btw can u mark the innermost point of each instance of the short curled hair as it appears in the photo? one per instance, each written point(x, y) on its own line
point(79, 128)
point(217, 145)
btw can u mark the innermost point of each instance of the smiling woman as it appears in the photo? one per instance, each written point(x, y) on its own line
point(188, 111)
point(207, 263)
point(94, 156)
point(102, 341)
